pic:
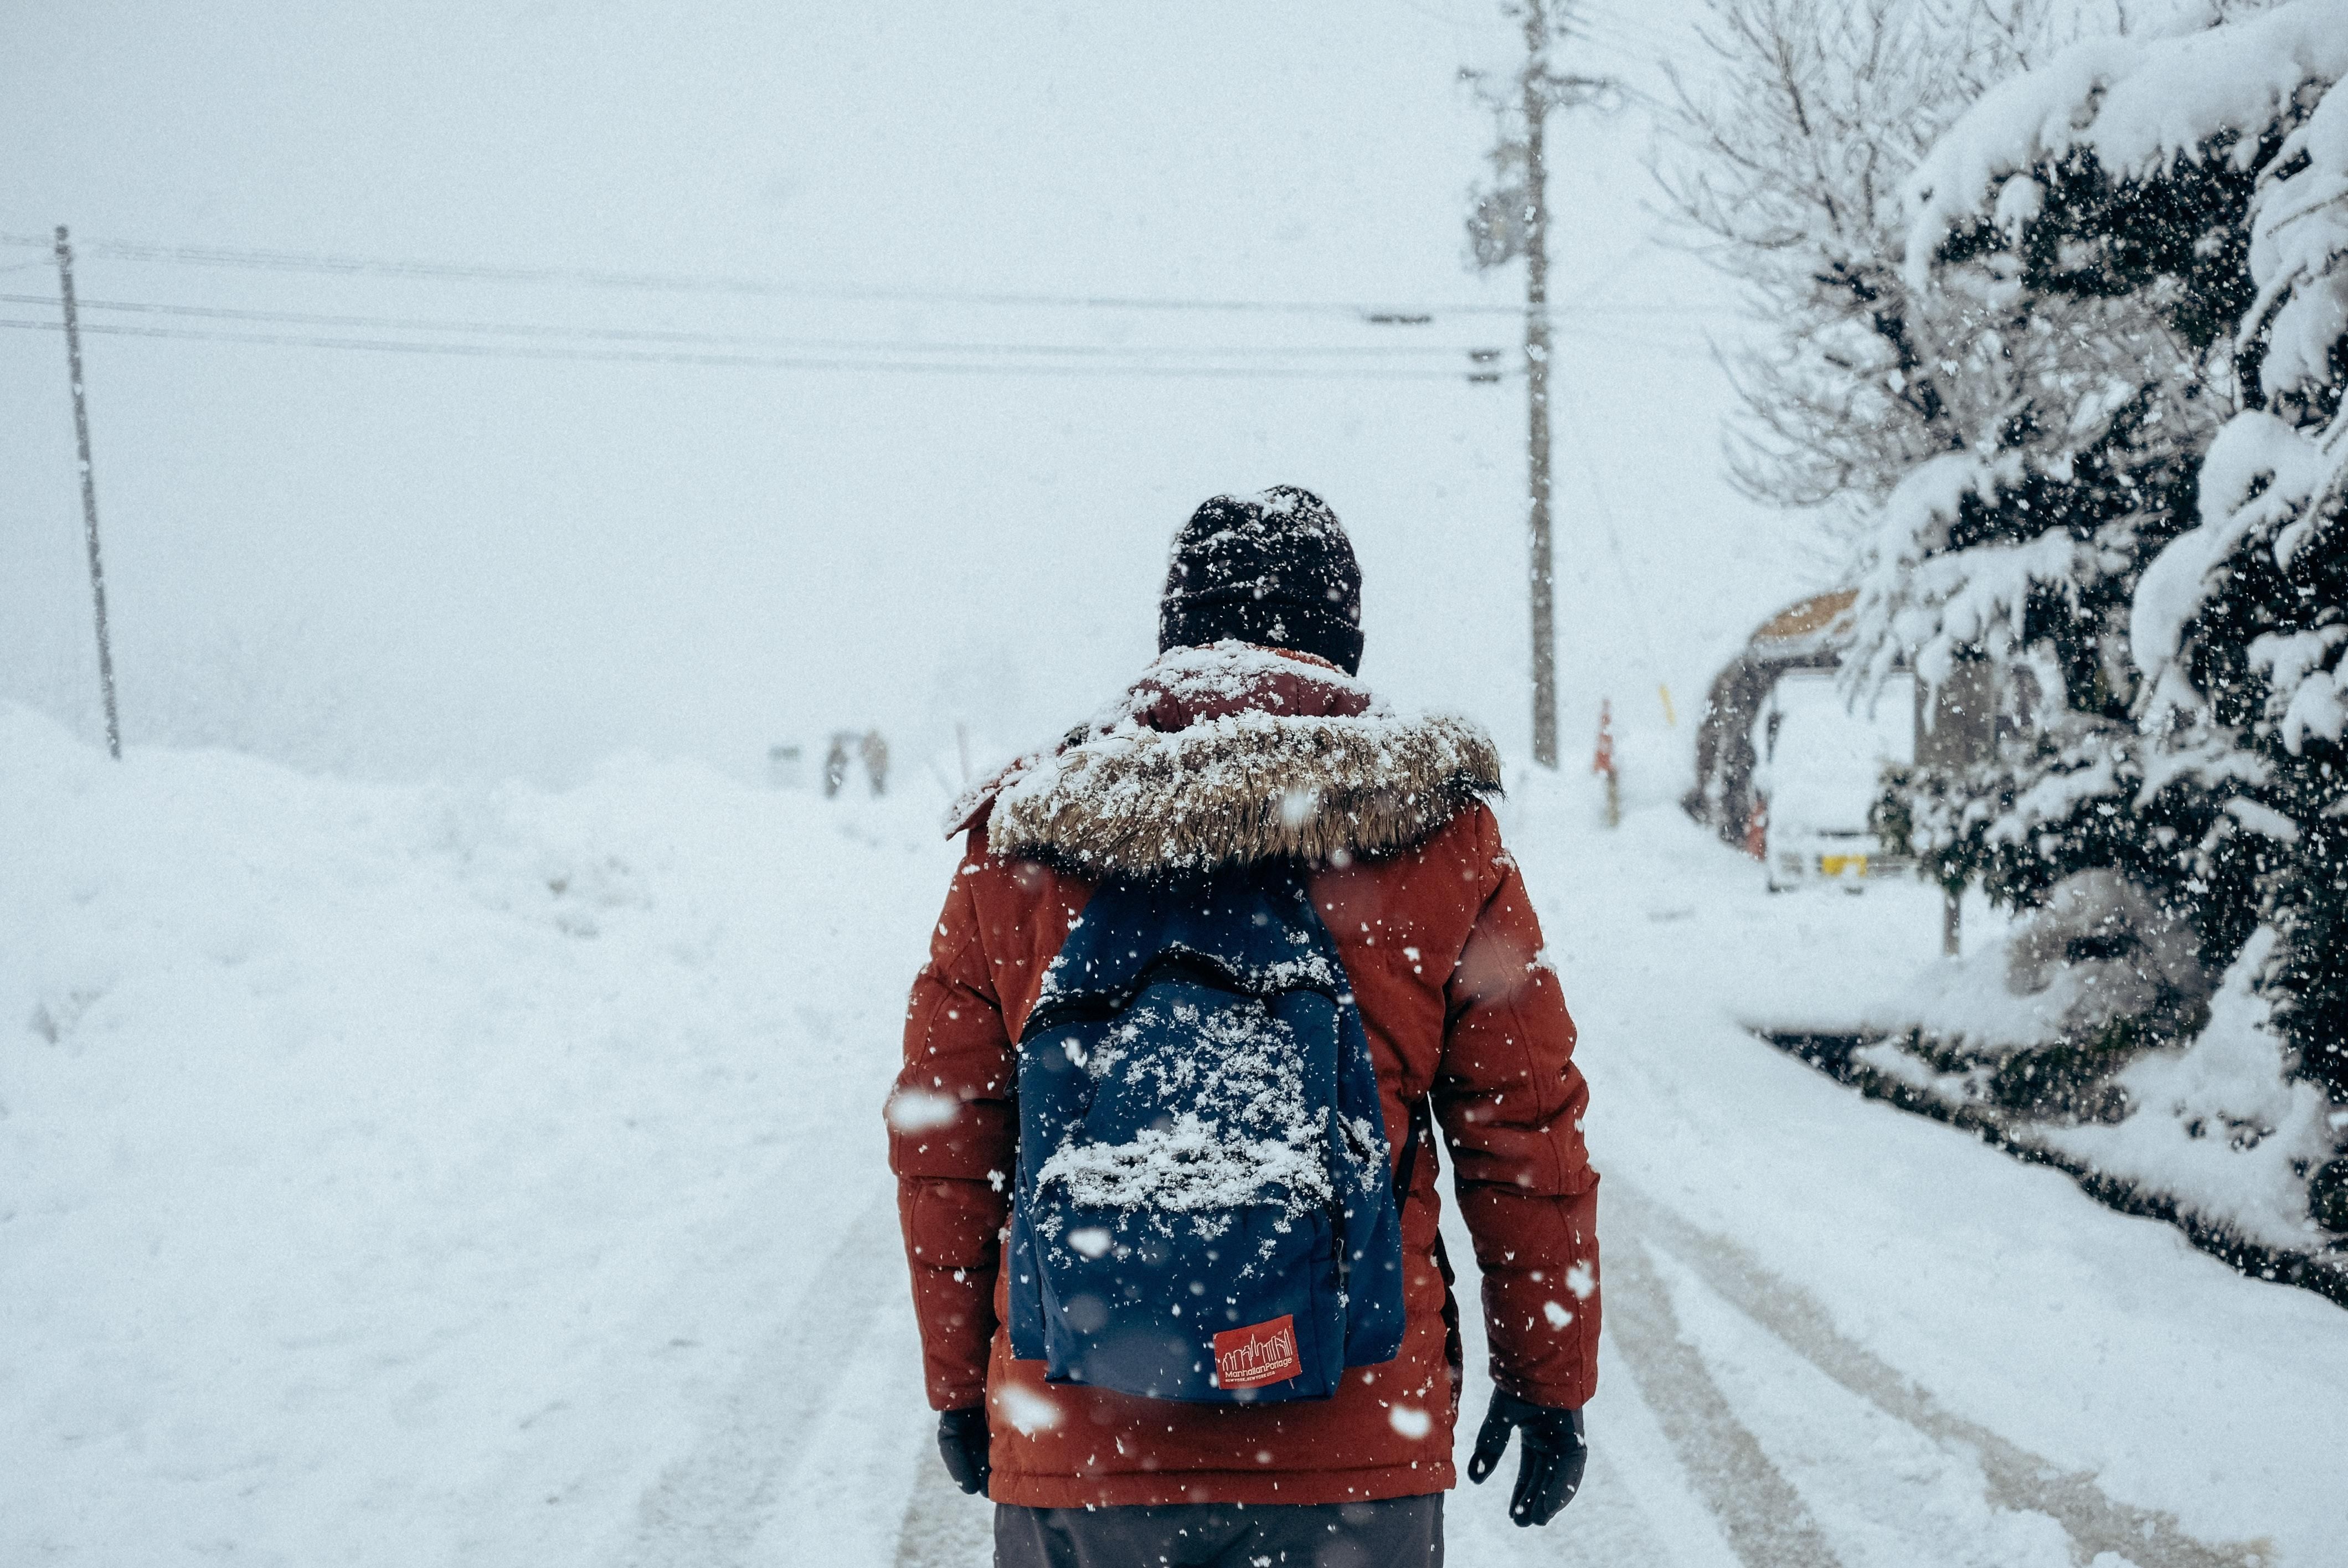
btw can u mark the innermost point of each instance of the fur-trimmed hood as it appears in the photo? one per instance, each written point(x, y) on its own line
point(1233, 753)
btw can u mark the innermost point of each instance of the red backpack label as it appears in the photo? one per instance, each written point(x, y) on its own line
point(1252, 1357)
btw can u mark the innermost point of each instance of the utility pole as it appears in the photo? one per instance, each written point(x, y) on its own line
point(1537, 352)
point(88, 493)
point(1509, 220)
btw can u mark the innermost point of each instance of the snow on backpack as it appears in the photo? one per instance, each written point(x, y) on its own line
point(1202, 1209)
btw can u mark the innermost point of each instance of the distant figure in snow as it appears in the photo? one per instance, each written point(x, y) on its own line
point(1211, 971)
point(835, 766)
point(875, 753)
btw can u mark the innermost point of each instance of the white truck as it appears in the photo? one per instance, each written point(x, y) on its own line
point(1819, 769)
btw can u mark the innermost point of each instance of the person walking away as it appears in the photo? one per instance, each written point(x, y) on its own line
point(1210, 973)
point(835, 765)
point(874, 750)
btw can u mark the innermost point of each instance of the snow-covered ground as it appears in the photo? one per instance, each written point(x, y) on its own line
point(487, 1176)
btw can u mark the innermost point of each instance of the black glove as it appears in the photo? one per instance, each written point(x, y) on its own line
point(962, 1440)
point(1555, 1452)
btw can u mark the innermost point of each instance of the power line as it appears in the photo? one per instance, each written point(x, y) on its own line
point(646, 356)
point(1476, 353)
point(1614, 545)
point(752, 340)
point(1382, 312)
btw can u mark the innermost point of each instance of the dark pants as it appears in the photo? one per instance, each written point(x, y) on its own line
point(1400, 1533)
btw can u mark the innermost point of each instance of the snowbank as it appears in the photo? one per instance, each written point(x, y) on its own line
point(2213, 1131)
point(346, 1133)
point(2217, 1126)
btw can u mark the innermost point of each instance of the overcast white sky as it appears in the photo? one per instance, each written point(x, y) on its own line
point(426, 562)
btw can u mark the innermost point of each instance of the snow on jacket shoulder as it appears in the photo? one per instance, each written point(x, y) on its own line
point(1221, 756)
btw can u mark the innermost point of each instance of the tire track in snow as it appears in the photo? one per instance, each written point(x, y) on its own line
point(2017, 1478)
point(1759, 1513)
point(944, 1527)
point(706, 1508)
point(1762, 1517)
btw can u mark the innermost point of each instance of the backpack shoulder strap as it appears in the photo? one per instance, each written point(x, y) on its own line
point(1422, 1130)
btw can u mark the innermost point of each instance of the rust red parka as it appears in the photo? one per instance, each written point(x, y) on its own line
point(1228, 754)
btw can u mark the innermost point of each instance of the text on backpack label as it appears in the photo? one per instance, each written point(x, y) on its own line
point(1263, 1353)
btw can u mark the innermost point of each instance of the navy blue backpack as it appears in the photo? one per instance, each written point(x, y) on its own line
point(1202, 1209)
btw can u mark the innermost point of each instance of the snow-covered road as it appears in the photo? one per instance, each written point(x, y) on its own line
point(395, 1176)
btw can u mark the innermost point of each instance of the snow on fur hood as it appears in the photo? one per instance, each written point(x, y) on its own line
point(1228, 754)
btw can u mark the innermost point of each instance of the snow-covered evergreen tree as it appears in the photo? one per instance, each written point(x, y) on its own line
point(2023, 548)
point(2017, 452)
point(2017, 551)
point(2198, 182)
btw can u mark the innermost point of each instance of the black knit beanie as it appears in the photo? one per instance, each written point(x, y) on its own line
point(1274, 568)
